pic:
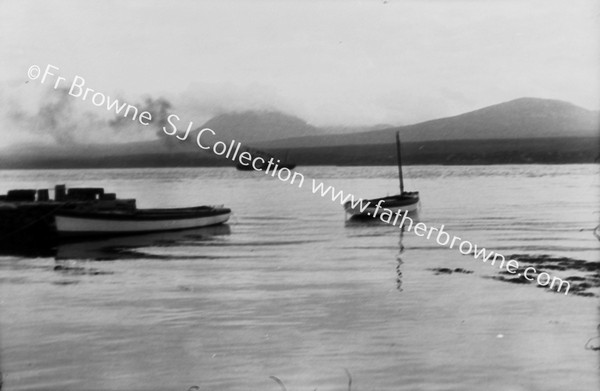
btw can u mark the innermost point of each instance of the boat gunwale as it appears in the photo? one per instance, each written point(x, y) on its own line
point(147, 214)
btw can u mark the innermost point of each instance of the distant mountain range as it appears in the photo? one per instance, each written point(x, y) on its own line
point(526, 130)
point(518, 119)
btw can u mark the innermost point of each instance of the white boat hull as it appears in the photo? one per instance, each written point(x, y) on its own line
point(77, 226)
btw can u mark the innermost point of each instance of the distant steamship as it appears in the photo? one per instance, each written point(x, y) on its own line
point(260, 161)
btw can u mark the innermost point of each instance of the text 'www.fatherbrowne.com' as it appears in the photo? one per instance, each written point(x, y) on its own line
point(402, 220)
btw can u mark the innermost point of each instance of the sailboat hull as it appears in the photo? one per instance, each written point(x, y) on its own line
point(406, 202)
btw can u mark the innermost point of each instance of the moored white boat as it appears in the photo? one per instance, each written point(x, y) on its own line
point(81, 223)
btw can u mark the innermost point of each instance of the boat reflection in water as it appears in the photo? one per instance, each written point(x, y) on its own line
point(399, 261)
point(369, 227)
point(128, 247)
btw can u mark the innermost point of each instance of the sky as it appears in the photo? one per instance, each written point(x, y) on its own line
point(329, 62)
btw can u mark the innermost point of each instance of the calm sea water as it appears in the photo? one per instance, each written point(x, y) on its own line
point(289, 289)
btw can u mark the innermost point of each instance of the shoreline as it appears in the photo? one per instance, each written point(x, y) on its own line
point(563, 150)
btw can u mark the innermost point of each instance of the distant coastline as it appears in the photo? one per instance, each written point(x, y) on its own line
point(560, 150)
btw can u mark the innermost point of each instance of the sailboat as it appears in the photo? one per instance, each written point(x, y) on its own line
point(406, 201)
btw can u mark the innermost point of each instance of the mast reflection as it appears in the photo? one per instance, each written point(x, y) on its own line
point(399, 261)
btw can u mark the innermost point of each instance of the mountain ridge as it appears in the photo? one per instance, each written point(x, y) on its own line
point(520, 121)
point(515, 119)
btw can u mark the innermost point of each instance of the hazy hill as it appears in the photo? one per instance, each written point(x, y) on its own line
point(253, 126)
point(524, 118)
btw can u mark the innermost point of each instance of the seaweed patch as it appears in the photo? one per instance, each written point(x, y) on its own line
point(443, 270)
point(580, 284)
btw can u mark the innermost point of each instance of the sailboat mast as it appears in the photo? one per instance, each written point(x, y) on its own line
point(399, 162)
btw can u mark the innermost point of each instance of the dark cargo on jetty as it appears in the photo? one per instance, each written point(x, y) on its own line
point(27, 216)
